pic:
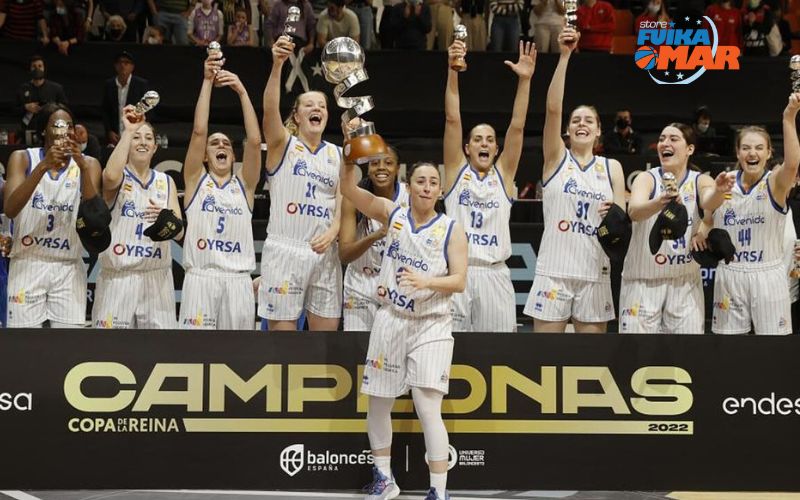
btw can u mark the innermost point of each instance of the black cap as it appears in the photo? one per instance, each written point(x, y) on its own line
point(719, 246)
point(93, 223)
point(125, 55)
point(671, 224)
point(614, 232)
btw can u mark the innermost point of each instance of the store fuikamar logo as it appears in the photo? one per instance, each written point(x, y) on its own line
point(679, 52)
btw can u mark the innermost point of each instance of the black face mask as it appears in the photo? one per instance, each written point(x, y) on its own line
point(37, 74)
point(622, 123)
point(116, 33)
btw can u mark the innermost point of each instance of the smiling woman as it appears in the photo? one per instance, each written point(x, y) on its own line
point(219, 254)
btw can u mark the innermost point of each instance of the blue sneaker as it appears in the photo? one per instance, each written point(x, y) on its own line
point(432, 495)
point(381, 487)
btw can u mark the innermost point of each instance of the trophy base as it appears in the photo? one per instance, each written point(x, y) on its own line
point(459, 66)
point(364, 148)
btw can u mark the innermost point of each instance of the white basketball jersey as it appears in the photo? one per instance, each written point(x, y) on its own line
point(756, 224)
point(219, 231)
point(483, 207)
point(45, 227)
point(369, 262)
point(422, 250)
point(303, 190)
point(571, 200)
point(674, 257)
point(131, 249)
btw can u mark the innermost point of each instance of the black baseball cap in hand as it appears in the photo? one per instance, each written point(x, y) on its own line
point(93, 223)
point(614, 232)
point(671, 224)
point(719, 246)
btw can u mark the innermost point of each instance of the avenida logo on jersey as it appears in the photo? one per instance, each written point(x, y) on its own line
point(296, 458)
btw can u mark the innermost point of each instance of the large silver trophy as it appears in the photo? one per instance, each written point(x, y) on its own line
point(570, 13)
point(149, 100)
point(794, 64)
point(343, 65)
point(460, 33)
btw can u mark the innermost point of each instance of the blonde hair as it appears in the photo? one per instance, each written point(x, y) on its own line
point(289, 123)
point(753, 129)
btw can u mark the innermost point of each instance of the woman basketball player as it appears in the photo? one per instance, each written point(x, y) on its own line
point(662, 291)
point(411, 345)
point(572, 270)
point(218, 252)
point(300, 266)
point(362, 243)
point(480, 187)
point(135, 287)
point(747, 290)
point(47, 277)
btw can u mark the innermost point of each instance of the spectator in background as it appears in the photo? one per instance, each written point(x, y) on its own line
point(366, 23)
point(506, 27)
point(337, 20)
point(710, 142)
point(441, 33)
point(386, 34)
point(757, 22)
point(65, 27)
point(115, 30)
point(85, 10)
point(784, 29)
point(547, 19)
point(728, 21)
point(206, 24)
point(20, 20)
point(656, 11)
point(33, 95)
point(229, 8)
point(240, 34)
point(171, 16)
point(305, 33)
point(153, 35)
point(473, 16)
point(410, 24)
point(131, 11)
point(125, 88)
point(702, 123)
point(623, 139)
point(89, 143)
point(596, 23)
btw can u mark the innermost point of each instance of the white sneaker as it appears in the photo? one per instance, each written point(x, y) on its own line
point(381, 487)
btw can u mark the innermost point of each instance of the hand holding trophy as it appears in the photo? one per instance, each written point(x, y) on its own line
point(343, 65)
point(214, 51)
point(459, 63)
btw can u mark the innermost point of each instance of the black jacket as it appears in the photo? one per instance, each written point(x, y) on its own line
point(137, 88)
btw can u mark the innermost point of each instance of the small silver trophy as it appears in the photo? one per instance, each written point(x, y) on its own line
point(60, 131)
point(343, 65)
point(214, 50)
point(570, 13)
point(292, 17)
point(669, 184)
point(460, 33)
point(149, 100)
point(794, 64)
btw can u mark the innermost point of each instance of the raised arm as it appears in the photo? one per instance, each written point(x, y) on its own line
point(784, 175)
point(196, 153)
point(374, 207)
point(512, 145)
point(640, 206)
point(712, 191)
point(251, 162)
point(453, 132)
point(114, 171)
point(275, 133)
point(552, 144)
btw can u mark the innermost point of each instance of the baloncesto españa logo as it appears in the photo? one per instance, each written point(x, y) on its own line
point(679, 52)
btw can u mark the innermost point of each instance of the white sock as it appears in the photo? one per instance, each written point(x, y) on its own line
point(384, 464)
point(439, 481)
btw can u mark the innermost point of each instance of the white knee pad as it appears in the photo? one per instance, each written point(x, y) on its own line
point(428, 404)
point(379, 422)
